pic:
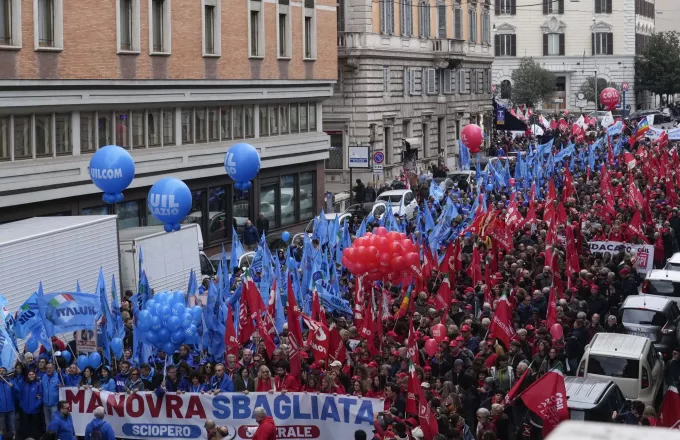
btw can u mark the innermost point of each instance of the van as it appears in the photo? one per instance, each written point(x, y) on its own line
point(653, 317)
point(630, 361)
point(662, 282)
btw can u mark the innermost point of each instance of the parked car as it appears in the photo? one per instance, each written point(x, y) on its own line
point(673, 262)
point(630, 361)
point(330, 216)
point(652, 317)
point(360, 209)
point(467, 176)
point(662, 282)
point(402, 202)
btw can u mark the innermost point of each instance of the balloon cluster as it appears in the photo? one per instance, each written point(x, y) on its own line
point(381, 255)
point(438, 336)
point(242, 164)
point(167, 323)
point(170, 201)
point(94, 360)
point(112, 170)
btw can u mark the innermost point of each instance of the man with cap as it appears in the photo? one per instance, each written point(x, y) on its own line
point(471, 342)
point(344, 379)
point(515, 354)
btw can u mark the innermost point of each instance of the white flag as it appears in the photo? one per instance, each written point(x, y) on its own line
point(607, 120)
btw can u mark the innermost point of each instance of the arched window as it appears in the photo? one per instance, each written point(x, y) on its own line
point(506, 89)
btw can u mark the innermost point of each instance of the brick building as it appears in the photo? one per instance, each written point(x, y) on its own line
point(175, 81)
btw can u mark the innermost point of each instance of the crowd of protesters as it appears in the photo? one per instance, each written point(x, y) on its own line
point(467, 381)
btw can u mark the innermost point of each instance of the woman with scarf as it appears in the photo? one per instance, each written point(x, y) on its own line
point(197, 385)
point(264, 380)
point(106, 382)
point(88, 380)
point(134, 382)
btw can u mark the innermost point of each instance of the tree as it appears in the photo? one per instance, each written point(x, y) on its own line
point(532, 83)
point(588, 88)
point(657, 69)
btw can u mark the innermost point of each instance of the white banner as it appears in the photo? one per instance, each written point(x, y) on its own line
point(182, 416)
point(644, 253)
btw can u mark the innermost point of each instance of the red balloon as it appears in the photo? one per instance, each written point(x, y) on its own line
point(438, 333)
point(393, 236)
point(413, 259)
point(472, 136)
point(556, 331)
point(381, 231)
point(398, 263)
point(385, 259)
point(396, 248)
point(350, 253)
point(609, 97)
point(380, 242)
point(512, 181)
point(431, 347)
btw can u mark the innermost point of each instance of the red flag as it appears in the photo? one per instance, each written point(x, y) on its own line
point(359, 303)
point(412, 390)
point(635, 196)
point(254, 299)
point(318, 338)
point(552, 308)
point(295, 340)
point(670, 193)
point(316, 306)
point(417, 404)
point(475, 268)
point(635, 226)
point(669, 414)
point(662, 140)
point(245, 323)
point(514, 391)
point(368, 331)
point(412, 345)
point(337, 348)
point(442, 298)
point(550, 200)
point(501, 324)
point(547, 398)
point(572, 254)
point(629, 159)
point(447, 265)
point(568, 187)
point(502, 236)
point(230, 340)
point(266, 337)
point(514, 218)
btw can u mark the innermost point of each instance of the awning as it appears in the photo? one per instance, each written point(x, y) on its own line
point(413, 142)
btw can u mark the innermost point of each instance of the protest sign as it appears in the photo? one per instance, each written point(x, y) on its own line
point(86, 341)
point(644, 253)
point(182, 416)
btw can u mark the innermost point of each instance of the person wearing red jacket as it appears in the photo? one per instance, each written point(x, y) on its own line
point(267, 428)
point(285, 381)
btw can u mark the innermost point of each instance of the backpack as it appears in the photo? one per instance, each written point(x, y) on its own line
point(97, 434)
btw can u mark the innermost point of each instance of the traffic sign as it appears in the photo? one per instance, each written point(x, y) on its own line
point(378, 169)
point(625, 86)
point(378, 157)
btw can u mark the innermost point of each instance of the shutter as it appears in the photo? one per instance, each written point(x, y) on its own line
point(609, 6)
point(446, 80)
point(513, 45)
point(441, 21)
point(381, 11)
point(598, 6)
point(407, 82)
point(461, 81)
point(561, 6)
point(513, 7)
point(545, 7)
point(610, 43)
point(562, 41)
point(459, 23)
point(546, 49)
point(391, 17)
point(593, 43)
point(454, 78)
point(498, 7)
point(497, 44)
point(468, 74)
point(402, 19)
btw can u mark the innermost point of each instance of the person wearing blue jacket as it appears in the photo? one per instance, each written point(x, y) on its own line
point(220, 382)
point(106, 382)
point(62, 422)
point(72, 378)
point(50, 384)
point(100, 425)
point(8, 391)
point(30, 402)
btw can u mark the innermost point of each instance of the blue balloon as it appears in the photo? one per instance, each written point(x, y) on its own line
point(94, 360)
point(489, 187)
point(191, 331)
point(150, 304)
point(32, 344)
point(170, 201)
point(178, 309)
point(165, 312)
point(82, 362)
point(178, 297)
point(67, 356)
point(112, 170)
point(285, 236)
point(197, 313)
point(242, 162)
point(187, 319)
point(156, 323)
point(163, 336)
point(169, 347)
point(151, 337)
point(173, 323)
point(144, 320)
point(177, 337)
point(117, 346)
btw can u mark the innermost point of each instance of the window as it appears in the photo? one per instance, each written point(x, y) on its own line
point(274, 120)
point(10, 23)
point(288, 200)
point(303, 117)
point(553, 6)
point(464, 81)
point(604, 6)
point(159, 27)
point(643, 317)
point(424, 17)
point(48, 19)
point(386, 80)
point(506, 45)
point(613, 366)
point(294, 119)
point(334, 161)
point(441, 20)
point(128, 13)
point(603, 43)
point(264, 121)
point(486, 27)
point(238, 122)
point(87, 132)
point(213, 124)
point(62, 123)
point(431, 81)
point(122, 129)
point(4, 138)
point(506, 7)
point(105, 128)
point(312, 116)
point(200, 125)
point(553, 44)
point(225, 118)
point(284, 38)
point(43, 135)
point(138, 129)
point(187, 126)
point(458, 22)
point(22, 137)
point(309, 29)
point(218, 227)
point(386, 16)
point(426, 140)
point(283, 112)
point(268, 202)
point(249, 124)
point(153, 119)
point(168, 127)
point(472, 24)
point(129, 214)
point(256, 28)
point(449, 77)
point(406, 18)
point(212, 25)
point(388, 142)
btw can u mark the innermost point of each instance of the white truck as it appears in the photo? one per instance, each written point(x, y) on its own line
point(167, 257)
point(59, 251)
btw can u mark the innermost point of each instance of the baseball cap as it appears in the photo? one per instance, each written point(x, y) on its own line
point(336, 364)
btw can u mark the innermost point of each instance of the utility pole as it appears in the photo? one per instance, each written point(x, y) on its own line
point(597, 97)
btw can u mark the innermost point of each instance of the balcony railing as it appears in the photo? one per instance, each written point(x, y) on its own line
point(450, 46)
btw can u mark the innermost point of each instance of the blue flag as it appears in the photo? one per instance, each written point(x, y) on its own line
point(107, 319)
point(236, 250)
point(333, 303)
point(66, 312)
point(7, 353)
point(464, 156)
point(118, 329)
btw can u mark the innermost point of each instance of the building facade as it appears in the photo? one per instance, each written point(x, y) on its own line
point(667, 15)
point(573, 39)
point(407, 69)
point(176, 82)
